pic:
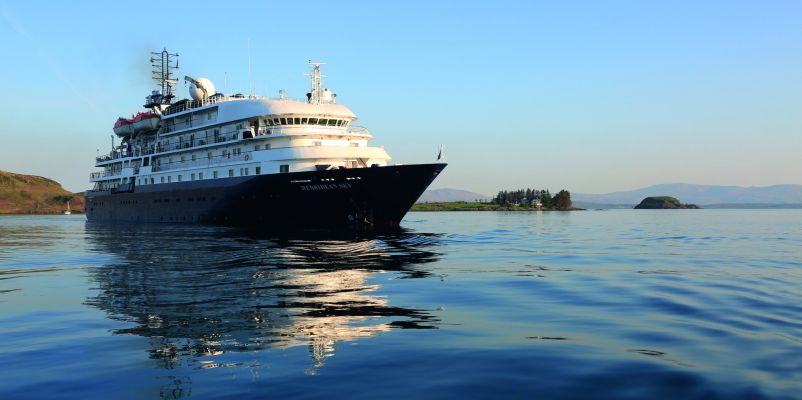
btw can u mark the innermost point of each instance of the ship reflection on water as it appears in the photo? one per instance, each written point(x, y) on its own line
point(199, 292)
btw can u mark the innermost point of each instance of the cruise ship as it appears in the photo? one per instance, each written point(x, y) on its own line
point(238, 160)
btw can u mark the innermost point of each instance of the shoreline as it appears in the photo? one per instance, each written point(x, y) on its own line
point(53, 213)
point(465, 206)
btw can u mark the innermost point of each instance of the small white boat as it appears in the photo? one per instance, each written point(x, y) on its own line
point(68, 212)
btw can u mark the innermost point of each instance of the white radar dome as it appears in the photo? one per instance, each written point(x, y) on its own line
point(201, 88)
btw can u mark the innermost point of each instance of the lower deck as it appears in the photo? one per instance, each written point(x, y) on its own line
point(375, 197)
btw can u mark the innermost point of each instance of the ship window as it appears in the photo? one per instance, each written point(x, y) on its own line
point(312, 121)
point(297, 121)
point(180, 177)
point(354, 144)
point(269, 122)
point(162, 179)
point(151, 181)
point(209, 116)
point(283, 121)
point(239, 126)
point(200, 175)
point(267, 146)
point(246, 171)
point(258, 170)
point(284, 168)
point(193, 157)
point(169, 178)
point(317, 143)
point(193, 177)
point(231, 172)
point(332, 122)
point(276, 121)
point(209, 155)
point(304, 121)
point(322, 121)
point(214, 174)
point(257, 147)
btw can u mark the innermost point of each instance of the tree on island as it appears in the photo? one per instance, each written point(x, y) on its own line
point(546, 199)
point(562, 200)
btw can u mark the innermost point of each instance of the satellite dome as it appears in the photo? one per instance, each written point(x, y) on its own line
point(201, 88)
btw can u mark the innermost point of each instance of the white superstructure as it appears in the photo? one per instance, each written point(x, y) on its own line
point(214, 136)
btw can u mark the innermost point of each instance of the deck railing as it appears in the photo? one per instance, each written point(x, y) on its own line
point(230, 137)
point(203, 162)
point(196, 143)
point(118, 154)
point(104, 174)
point(190, 104)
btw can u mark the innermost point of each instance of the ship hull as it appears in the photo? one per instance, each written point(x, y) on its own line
point(377, 197)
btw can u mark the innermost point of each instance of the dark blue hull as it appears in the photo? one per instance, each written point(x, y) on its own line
point(376, 197)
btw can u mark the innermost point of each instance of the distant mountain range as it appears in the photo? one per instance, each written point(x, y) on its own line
point(447, 195)
point(29, 194)
point(701, 195)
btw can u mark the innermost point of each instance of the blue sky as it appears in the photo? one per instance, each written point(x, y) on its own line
point(591, 96)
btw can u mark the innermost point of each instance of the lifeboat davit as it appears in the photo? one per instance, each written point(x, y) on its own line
point(145, 122)
point(123, 127)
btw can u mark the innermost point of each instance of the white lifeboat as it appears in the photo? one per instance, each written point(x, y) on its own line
point(123, 127)
point(145, 122)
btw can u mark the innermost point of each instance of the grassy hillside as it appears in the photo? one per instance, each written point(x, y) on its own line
point(28, 194)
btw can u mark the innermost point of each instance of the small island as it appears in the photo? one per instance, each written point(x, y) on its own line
point(663, 203)
point(516, 200)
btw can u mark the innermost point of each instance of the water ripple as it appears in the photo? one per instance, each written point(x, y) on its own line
point(612, 304)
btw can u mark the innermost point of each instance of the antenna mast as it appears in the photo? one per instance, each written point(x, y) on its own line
point(317, 81)
point(250, 77)
point(164, 64)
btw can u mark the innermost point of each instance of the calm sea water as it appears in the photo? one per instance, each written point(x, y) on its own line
point(598, 304)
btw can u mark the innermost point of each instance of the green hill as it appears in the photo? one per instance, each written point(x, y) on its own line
point(28, 194)
point(662, 203)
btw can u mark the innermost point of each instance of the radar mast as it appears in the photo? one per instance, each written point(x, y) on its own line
point(163, 66)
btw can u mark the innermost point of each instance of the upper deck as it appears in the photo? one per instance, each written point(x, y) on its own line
point(204, 134)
